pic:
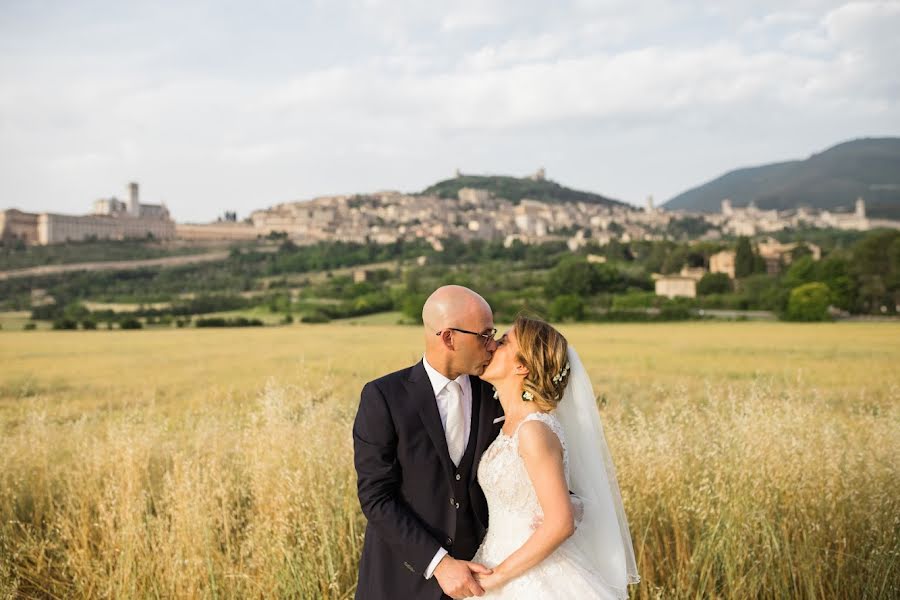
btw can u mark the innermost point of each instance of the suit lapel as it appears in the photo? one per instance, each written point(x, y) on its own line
point(421, 391)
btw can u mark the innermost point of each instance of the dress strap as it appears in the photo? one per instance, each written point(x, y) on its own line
point(538, 416)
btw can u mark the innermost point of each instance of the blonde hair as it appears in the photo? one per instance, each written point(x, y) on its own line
point(542, 349)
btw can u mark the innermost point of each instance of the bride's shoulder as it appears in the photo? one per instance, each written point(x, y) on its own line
point(539, 432)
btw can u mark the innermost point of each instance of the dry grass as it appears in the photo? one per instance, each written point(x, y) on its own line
point(756, 460)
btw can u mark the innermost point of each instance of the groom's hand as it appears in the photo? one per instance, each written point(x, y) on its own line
point(456, 579)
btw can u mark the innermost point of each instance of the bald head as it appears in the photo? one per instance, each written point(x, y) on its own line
point(448, 314)
point(451, 306)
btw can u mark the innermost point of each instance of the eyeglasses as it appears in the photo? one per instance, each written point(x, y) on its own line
point(487, 338)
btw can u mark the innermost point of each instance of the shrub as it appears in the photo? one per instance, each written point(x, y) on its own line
point(633, 300)
point(131, 323)
point(809, 302)
point(210, 322)
point(567, 307)
point(63, 323)
point(221, 322)
point(714, 283)
point(318, 317)
point(30, 326)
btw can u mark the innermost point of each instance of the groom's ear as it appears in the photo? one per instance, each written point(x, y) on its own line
point(447, 338)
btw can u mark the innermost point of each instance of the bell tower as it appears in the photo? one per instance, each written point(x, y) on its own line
point(134, 203)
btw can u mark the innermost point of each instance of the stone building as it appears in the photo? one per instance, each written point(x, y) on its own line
point(18, 225)
point(723, 262)
point(111, 219)
point(217, 231)
point(777, 254)
point(473, 196)
point(672, 286)
point(683, 285)
point(855, 221)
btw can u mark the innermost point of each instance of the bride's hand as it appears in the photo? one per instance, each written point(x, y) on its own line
point(491, 581)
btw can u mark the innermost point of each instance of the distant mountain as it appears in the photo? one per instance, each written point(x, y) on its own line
point(514, 189)
point(867, 168)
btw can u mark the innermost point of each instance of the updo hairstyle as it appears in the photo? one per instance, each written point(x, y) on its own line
point(542, 349)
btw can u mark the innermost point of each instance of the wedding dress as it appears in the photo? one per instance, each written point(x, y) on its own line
point(598, 560)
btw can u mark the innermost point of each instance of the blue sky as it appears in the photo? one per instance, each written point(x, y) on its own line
point(216, 106)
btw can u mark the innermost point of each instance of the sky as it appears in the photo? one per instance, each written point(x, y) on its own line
point(217, 106)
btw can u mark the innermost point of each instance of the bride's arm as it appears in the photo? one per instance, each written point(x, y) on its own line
point(541, 451)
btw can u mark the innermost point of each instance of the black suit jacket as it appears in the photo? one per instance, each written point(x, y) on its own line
point(405, 478)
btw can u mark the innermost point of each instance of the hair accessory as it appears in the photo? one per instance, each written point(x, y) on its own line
point(557, 379)
point(527, 396)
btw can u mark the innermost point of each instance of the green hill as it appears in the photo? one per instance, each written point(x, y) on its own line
point(514, 189)
point(867, 168)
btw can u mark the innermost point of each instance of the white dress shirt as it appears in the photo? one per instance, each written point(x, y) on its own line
point(441, 395)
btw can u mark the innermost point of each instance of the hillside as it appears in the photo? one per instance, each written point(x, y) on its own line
point(869, 168)
point(514, 189)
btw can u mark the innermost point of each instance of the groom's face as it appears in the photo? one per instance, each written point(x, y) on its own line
point(473, 352)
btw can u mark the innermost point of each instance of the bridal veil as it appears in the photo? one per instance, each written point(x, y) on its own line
point(603, 535)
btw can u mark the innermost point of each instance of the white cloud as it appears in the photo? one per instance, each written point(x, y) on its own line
point(539, 48)
point(388, 94)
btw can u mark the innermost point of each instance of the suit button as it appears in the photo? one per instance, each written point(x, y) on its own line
point(457, 505)
point(449, 541)
point(452, 501)
point(457, 476)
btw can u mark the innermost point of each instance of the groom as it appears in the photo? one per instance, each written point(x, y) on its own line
point(418, 436)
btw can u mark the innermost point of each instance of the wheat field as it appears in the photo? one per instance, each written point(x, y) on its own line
point(756, 460)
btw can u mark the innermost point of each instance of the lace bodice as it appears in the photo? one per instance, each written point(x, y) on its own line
point(503, 476)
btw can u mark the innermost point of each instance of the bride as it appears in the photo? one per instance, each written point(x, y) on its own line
point(551, 442)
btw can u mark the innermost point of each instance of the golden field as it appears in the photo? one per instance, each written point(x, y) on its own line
point(757, 460)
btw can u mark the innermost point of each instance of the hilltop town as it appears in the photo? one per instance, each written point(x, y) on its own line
point(386, 217)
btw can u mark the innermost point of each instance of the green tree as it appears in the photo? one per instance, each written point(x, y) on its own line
point(835, 272)
point(616, 250)
point(76, 311)
point(567, 307)
point(714, 283)
point(876, 267)
point(572, 276)
point(674, 260)
point(803, 270)
point(655, 256)
point(761, 292)
point(411, 306)
point(809, 302)
point(744, 258)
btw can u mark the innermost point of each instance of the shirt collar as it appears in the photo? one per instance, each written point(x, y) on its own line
point(439, 381)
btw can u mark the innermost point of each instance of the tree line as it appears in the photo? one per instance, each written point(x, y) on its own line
point(858, 275)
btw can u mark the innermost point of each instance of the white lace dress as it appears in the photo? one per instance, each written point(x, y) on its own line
point(512, 505)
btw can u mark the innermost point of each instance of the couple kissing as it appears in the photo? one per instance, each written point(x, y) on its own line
point(472, 464)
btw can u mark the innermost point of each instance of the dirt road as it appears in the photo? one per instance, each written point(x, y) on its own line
point(118, 265)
